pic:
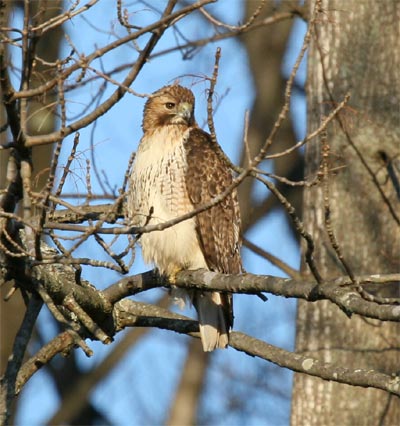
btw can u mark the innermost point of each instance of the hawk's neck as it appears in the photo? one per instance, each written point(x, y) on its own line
point(164, 138)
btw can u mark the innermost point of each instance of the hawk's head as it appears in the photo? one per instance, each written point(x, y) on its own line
point(169, 105)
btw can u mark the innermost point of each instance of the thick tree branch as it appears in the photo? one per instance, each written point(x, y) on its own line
point(255, 347)
point(130, 313)
point(312, 366)
point(338, 291)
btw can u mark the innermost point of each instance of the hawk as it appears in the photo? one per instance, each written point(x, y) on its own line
point(177, 169)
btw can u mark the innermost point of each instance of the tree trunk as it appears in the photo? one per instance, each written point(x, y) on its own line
point(359, 44)
point(42, 120)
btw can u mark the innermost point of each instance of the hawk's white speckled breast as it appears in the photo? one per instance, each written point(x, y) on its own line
point(157, 186)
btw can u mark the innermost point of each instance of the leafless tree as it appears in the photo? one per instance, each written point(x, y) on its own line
point(48, 231)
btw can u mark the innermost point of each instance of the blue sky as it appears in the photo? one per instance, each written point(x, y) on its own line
point(158, 358)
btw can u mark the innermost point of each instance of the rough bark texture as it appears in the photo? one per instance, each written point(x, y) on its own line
point(359, 43)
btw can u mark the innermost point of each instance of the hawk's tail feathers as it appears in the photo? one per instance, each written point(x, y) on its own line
point(214, 326)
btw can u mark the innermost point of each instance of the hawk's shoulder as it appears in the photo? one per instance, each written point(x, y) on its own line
point(205, 169)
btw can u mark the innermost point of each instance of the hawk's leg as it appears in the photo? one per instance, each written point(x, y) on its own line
point(172, 275)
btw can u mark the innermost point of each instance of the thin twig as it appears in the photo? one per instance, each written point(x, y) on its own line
point(327, 208)
point(158, 26)
point(236, 28)
point(298, 225)
point(210, 118)
point(288, 90)
point(316, 132)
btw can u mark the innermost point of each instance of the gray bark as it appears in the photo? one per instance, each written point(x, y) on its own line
point(359, 44)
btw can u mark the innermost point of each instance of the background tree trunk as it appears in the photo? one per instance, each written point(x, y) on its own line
point(358, 41)
point(265, 51)
point(41, 121)
point(42, 115)
point(185, 404)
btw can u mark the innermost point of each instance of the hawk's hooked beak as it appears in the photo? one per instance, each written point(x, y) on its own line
point(185, 111)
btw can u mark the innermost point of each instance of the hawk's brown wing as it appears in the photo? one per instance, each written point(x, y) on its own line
point(218, 227)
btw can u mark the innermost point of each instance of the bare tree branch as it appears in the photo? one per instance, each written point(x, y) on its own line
point(312, 366)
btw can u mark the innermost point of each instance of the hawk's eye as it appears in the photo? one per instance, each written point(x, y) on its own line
point(169, 105)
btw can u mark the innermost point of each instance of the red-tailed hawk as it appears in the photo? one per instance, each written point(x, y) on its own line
point(177, 169)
